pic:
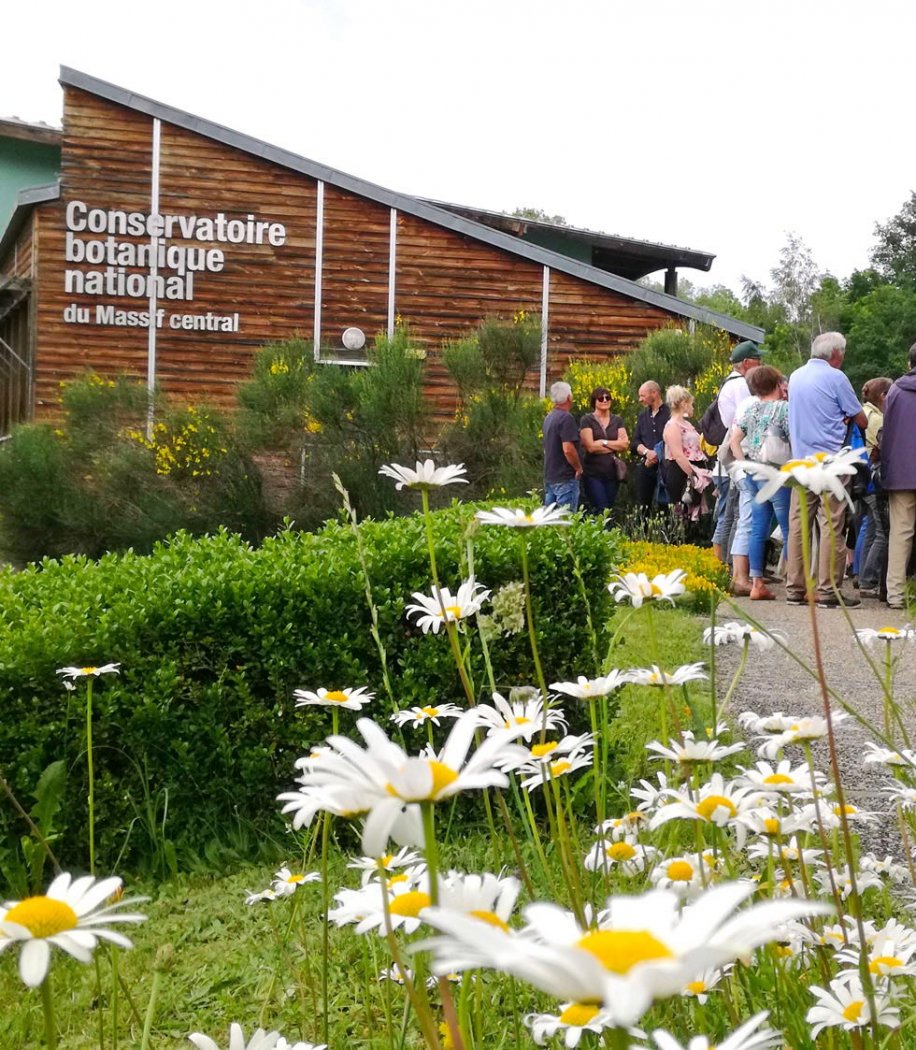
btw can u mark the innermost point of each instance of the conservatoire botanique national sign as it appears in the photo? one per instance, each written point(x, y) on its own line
point(107, 241)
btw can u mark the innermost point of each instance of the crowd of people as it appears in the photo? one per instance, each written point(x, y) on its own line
point(760, 416)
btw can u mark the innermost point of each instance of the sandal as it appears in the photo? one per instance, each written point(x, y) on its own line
point(762, 594)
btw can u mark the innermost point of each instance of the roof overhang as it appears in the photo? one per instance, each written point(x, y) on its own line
point(403, 202)
point(25, 202)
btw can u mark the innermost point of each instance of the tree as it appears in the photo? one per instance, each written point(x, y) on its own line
point(894, 254)
point(795, 279)
point(880, 328)
point(539, 215)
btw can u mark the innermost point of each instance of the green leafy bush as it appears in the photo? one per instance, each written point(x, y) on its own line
point(213, 636)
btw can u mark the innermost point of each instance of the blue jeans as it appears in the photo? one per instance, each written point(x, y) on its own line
point(722, 485)
point(563, 493)
point(601, 492)
point(777, 504)
point(741, 540)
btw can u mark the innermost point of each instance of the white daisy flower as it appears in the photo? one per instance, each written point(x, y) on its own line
point(766, 821)
point(85, 672)
point(286, 882)
point(784, 779)
point(260, 1040)
point(523, 717)
point(341, 801)
point(821, 472)
point(726, 633)
point(631, 858)
point(521, 519)
point(71, 915)
point(641, 948)
point(701, 986)
point(814, 727)
point(831, 814)
point(348, 699)
point(845, 1005)
point(426, 475)
point(555, 758)
point(905, 758)
point(785, 853)
point(655, 676)
point(685, 876)
point(572, 1020)
point(444, 607)
point(389, 864)
point(489, 898)
point(905, 797)
point(591, 688)
point(748, 1037)
point(716, 802)
point(868, 635)
point(649, 795)
point(385, 778)
point(265, 895)
point(885, 958)
point(419, 716)
point(765, 724)
point(895, 872)
point(636, 587)
point(395, 974)
point(688, 750)
point(623, 828)
point(842, 880)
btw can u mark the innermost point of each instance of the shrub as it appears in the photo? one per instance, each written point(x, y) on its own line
point(706, 575)
point(213, 636)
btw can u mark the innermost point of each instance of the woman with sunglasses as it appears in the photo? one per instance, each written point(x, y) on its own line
point(602, 437)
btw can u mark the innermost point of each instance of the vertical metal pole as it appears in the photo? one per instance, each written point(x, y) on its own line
point(392, 268)
point(319, 253)
point(545, 321)
point(153, 272)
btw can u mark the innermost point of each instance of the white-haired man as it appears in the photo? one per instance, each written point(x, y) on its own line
point(562, 467)
point(822, 404)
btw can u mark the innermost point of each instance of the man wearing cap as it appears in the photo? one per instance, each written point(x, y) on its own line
point(732, 392)
point(822, 404)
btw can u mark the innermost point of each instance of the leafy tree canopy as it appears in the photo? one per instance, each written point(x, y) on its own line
point(539, 215)
point(894, 254)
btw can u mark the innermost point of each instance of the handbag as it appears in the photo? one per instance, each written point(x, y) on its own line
point(775, 450)
point(620, 468)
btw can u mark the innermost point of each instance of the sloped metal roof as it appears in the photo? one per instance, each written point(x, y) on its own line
point(403, 202)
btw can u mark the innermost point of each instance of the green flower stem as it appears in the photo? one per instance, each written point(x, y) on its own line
point(91, 765)
point(98, 996)
point(742, 663)
point(430, 541)
point(713, 691)
point(325, 931)
point(47, 1003)
point(609, 659)
point(367, 586)
point(587, 605)
point(151, 1009)
point(605, 748)
point(524, 797)
point(513, 838)
point(115, 1004)
point(568, 862)
point(596, 761)
point(532, 634)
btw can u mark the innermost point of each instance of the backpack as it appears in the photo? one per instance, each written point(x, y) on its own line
point(710, 426)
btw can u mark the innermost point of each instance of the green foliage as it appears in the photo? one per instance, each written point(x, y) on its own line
point(894, 254)
point(880, 329)
point(274, 402)
point(22, 863)
point(97, 483)
point(199, 730)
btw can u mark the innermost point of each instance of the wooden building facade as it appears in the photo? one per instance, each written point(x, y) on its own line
point(173, 248)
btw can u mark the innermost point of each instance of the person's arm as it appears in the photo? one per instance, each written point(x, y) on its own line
point(572, 457)
point(588, 442)
point(737, 435)
point(639, 443)
point(619, 443)
point(674, 447)
point(861, 420)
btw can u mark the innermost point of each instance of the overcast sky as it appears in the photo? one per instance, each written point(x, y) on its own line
point(713, 124)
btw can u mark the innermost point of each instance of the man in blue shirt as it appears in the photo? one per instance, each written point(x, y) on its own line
point(822, 403)
point(562, 468)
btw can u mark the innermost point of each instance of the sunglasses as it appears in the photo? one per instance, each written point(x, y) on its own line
point(603, 397)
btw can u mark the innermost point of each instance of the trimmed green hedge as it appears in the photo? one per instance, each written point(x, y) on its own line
point(214, 635)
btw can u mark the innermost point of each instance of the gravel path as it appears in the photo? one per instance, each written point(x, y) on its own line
point(773, 681)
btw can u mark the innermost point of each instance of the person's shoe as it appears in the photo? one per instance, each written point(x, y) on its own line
point(796, 599)
point(762, 594)
point(832, 602)
point(868, 592)
point(741, 590)
point(896, 605)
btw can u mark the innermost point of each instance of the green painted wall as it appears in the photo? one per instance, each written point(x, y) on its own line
point(24, 164)
point(556, 242)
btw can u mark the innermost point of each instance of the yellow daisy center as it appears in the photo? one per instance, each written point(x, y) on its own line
point(491, 918)
point(452, 610)
point(711, 803)
point(854, 1010)
point(410, 904)
point(578, 1014)
point(539, 750)
point(295, 879)
point(794, 464)
point(557, 769)
point(696, 987)
point(680, 871)
point(43, 916)
point(883, 963)
point(850, 811)
point(430, 712)
point(620, 950)
point(889, 630)
point(385, 860)
point(336, 696)
point(621, 851)
point(771, 826)
point(442, 776)
point(88, 670)
point(655, 589)
point(777, 778)
point(397, 878)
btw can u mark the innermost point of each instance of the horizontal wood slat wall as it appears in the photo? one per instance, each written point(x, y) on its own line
point(446, 282)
